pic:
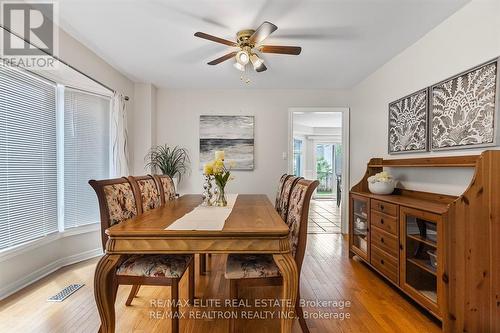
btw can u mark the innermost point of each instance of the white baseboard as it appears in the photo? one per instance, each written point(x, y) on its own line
point(46, 270)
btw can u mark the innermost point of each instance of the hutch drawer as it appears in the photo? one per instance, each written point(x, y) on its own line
point(384, 207)
point(385, 263)
point(384, 222)
point(385, 241)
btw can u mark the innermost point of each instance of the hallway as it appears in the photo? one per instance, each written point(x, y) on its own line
point(324, 217)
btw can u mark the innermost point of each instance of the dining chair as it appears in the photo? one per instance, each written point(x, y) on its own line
point(166, 186)
point(277, 202)
point(147, 190)
point(118, 201)
point(288, 185)
point(168, 192)
point(260, 269)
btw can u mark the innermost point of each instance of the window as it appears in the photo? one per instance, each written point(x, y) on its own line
point(28, 158)
point(53, 139)
point(86, 154)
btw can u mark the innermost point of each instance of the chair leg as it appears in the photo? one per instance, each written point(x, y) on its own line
point(233, 294)
point(203, 264)
point(191, 283)
point(300, 313)
point(175, 305)
point(115, 290)
point(133, 293)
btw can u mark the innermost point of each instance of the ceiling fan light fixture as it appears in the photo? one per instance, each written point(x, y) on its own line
point(239, 66)
point(256, 61)
point(242, 57)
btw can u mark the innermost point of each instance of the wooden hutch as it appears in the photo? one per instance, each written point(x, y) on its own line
point(442, 251)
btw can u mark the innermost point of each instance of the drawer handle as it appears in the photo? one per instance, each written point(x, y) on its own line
point(382, 239)
point(382, 207)
point(381, 221)
point(382, 261)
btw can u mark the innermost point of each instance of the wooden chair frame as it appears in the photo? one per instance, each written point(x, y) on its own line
point(277, 202)
point(295, 181)
point(159, 184)
point(137, 281)
point(134, 181)
point(235, 284)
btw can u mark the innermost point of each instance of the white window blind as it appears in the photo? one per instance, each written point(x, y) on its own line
point(28, 160)
point(86, 154)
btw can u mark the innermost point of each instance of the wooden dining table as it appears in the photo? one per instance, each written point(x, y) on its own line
point(253, 226)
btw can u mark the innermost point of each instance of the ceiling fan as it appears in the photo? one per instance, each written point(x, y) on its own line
point(249, 42)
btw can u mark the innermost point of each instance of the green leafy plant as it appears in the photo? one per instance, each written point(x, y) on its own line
point(170, 161)
point(322, 168)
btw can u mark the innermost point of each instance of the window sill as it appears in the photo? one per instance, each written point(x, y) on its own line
point(31, 245)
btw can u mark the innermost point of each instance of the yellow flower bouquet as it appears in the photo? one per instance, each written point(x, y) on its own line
point(221, 174)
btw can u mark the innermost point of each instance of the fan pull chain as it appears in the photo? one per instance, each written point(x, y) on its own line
point(245, 78)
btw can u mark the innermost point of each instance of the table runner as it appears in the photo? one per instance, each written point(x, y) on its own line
point(205, 218)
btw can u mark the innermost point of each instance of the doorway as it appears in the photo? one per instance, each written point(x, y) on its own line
point(318, 139)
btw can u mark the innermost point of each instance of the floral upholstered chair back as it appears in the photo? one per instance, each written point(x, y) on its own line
point(277, 203)
point(285, 195)
point(167, 187)
point(298, 213)
point(117, 202)
point(148, 191)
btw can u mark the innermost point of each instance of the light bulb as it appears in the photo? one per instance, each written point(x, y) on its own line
point(256, 61)
point(242, 57)
point(239, 66)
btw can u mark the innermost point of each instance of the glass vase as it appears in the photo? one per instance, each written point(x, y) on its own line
point(220, 197)
point(207, 192)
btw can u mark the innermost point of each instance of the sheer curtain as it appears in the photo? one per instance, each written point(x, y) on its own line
point(119, 163)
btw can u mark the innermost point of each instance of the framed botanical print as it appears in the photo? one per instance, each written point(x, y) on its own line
point(464, 109)
point(408, 123)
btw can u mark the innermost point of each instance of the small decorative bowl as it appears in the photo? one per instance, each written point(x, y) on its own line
point(382, 187)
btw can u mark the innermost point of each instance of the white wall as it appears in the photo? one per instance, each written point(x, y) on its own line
point(178, 114)
point(466, 39)
point(143, 131)
point(18, 270)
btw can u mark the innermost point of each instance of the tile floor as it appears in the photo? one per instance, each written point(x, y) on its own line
point(324, 217)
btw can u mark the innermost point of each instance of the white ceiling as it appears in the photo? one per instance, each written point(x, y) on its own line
point(342, 41)
point(318, 119)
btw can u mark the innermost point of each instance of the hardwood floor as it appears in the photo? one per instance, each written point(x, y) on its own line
point(324, 217)
point(327, 274)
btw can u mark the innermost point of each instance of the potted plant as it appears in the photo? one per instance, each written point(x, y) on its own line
point(173, 162)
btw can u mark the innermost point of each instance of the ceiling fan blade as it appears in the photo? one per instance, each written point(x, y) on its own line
point(262, 32)
point(223, 58)
point(261, 68)
point(215, 39)
point(293, 50)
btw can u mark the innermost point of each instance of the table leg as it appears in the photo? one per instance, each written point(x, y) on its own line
point(104, 291)
point(288, 268)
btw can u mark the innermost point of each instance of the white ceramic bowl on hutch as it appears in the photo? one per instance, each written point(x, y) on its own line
point(386, 187)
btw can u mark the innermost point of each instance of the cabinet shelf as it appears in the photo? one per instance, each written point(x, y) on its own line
point(361, 216)
point(424, 240)
point(423, 264)
point(360, 232)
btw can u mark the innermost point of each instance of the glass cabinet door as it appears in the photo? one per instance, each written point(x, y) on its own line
point(360, 229)
point(421, 256)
